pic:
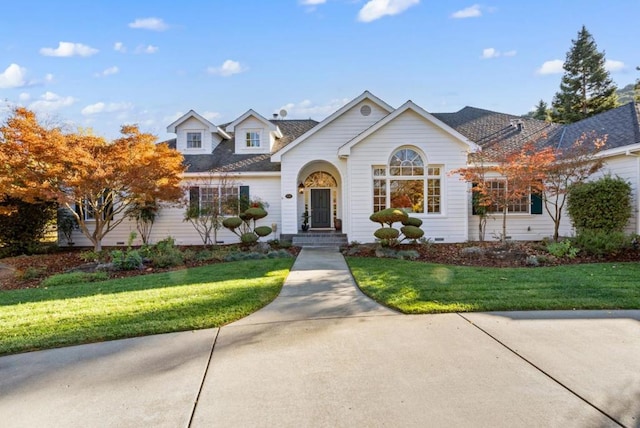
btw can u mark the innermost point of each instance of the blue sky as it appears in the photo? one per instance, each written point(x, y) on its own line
point(101, 64)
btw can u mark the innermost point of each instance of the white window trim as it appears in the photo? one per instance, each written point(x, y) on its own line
point(246, 131)
point(510, 213)
point(194, 131)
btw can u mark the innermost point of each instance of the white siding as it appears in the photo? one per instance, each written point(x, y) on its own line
point(323, 146)
point(170, 219)
point(409, 129)
point(252, 124)
point(209, 140)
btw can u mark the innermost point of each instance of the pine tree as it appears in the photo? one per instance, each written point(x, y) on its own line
point(636, 89)
point(542, 112)
point(586, 88)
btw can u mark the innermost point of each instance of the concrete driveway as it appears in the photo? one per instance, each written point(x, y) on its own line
point(324, 355)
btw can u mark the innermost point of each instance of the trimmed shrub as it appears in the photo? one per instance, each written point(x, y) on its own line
point(562, 249)
point(389, 216)
point(249, 238)
point(232, 222)
point(412, 221)
point(387, 233)
point(262, 230)
point(604, 204)
point(255, 213)
point(412, 232)
point(73, 278)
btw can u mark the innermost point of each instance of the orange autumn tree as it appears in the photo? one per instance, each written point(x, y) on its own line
point(96, 180)
point(573, 166)
point(523, 172)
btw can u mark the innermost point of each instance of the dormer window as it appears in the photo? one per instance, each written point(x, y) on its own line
point(194, 140)
point(252, 139)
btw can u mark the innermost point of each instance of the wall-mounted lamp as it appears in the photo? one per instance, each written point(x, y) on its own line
point(301, 188)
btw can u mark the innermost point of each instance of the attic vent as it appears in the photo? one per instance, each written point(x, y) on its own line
point(519, 124)
point(365, 110)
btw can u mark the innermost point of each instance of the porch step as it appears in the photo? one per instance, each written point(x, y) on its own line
point(319, 239)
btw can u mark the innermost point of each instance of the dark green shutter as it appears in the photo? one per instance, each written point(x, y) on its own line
point(194, 199)
point(536, 203)
point(244, 198)
point(475, 197)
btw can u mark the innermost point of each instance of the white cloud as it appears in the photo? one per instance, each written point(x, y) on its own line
point(101, 107)
point(489, 53)
point(155, 24)
point(312, 2)
point(50, 101)
point(172, 118)
point(119, 46)
point(13, 77)
point(306, 109)
point(613, 65)
point(209, 115)
point(108, 71)
point(468, 12)
point(48, 77)
point(149, 49)
point(67, 49)
point(553, 66)
point(24, 97)
point(228, 68)
point(376, 9)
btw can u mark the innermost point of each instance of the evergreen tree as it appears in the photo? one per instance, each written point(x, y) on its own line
point(586, 88)
point(636, 89)
point(542, 111)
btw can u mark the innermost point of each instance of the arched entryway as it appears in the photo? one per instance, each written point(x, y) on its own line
point(319, 197)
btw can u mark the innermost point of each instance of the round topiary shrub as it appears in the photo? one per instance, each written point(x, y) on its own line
point(387, 233)
point(389, 216)
point(262, 230)
point(412, 221)
point(412, 232)
point(249, 238)
point(603, 204)
point(232, 222)
point(255, 213)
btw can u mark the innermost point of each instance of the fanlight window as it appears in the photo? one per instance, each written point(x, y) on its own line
point(320, 179)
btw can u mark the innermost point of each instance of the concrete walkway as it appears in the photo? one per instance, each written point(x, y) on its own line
point(324, 355)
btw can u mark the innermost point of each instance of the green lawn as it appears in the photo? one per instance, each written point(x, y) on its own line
point(203, 297)
point(414, 287)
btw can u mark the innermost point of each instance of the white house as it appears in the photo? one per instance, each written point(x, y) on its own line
point(368, 156)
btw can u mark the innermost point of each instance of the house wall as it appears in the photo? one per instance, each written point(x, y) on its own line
point(209, 140)
point(169, 221)
point(409, 129)
point(323, 145)
point(524, 227)
point(252, 124)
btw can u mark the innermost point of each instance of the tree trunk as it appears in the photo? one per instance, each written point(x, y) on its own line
point(504, 225)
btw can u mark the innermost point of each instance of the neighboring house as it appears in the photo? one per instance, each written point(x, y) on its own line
point(368, 156)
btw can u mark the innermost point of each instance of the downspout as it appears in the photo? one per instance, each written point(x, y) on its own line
point(637, 156)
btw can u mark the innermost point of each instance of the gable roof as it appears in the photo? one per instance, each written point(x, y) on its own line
point(366, 95)
point(231, 127)
point(345, 150)
point(191, 113)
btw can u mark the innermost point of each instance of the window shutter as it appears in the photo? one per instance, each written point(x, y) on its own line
point(78, 210)
point(194, 198)
point(244, 198)
point(108, 209)
point(474, 199)
point(536, 203)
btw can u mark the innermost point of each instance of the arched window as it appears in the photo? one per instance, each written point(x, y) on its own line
point(407, 183)
point(320, 179)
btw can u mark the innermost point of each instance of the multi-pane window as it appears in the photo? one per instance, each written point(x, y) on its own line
point(194, 140)
point(406, 183)
point(223, 200)
point(498, 189)
point(253, 139)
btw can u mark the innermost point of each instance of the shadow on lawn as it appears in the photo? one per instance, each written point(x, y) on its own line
point(244, 270)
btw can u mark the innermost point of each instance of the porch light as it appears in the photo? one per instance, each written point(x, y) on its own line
point(301, 188)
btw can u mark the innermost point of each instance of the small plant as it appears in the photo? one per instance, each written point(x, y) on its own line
point(165, 254)
point(602, 242)
point(67, 224)
point(73, 278)
point(126, 260)
point(562, 249)
point(94, 256)
point(30, 273)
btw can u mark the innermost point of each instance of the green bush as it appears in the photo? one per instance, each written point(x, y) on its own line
point(126, 260)
point(412, 221)
point(601, 242)
point(165, 254)
point(24, 224)
point(412, 232)
point(249, 238)
point(30, 273)
point(604, 204)
point(73, 278)
point(562, 249)
point(232, 223)
point(262, 230)
point(386, 233)
point(389, 216)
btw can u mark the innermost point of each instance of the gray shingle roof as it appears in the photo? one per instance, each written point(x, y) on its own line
point(497, 133)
